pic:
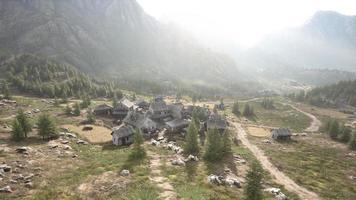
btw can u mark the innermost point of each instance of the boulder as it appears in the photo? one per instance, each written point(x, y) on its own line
point(53, 145)
point(18, 177)
point(233, 182)
point(191, 158)
point(28, 177)
point(64, 141)
point(36, 110)
point(178, 162)
point(155, 142)
point(82, 142)
point(125, 172)
point(267, 141)
point(6, 189)
point(70, 135)
point(23, 150)
point(29, 185)
point(13, 181)
point(67, 147)
point(304, 134)
point(273, 190)
point(214, 179)
point(5, 168)
point(281, 196)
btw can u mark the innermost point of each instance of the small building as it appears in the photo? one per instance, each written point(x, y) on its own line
point(142, 104)
point(140, 121)
point(215, 121)
point(159, 109)
point(177, 125)
point(176, 110)
point(281, 134)
point(122, 135)
point(123, 107)
point(103, 109)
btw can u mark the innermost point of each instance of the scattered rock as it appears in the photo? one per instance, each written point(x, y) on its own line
point(214, 179)
point(13, 181)
point(191, 158)
point(6, 189)
point(82, 142)
point(53, 145)
point(28, 177)
point(36, 110)
point(233, 182)
point(125, 172)
point(23, 150)
point(38, 169)
point(267, 141)
point(155, 142)
point(304, 134)
point(64, 141)
point(178, 162)
point(67, 147)
point(18, 177)
point(295, 134)
point(281, 196)
point(5, 168)
point(29, 185)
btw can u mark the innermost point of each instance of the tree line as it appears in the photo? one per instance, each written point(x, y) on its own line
point(340, 133)
point(46, 78)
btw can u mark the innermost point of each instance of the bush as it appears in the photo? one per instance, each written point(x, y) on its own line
point(138, 152)
point(352, 144)
point(236, 109)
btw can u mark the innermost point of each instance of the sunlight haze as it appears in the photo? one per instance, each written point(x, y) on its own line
point(244, 22)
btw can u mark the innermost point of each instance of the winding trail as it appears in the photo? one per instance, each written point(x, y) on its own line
point(279, 176)
point(314, 125)
point(157, 178)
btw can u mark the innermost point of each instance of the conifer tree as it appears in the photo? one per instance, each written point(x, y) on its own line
point(24, 122)
point(213, 150)
point(68, 110)
point(76, 109)
point(226, 143)
point(191, 145)
point(253, 189)
point(352, 144)
point(46, 127)
point(17, 131)
point(91, 117)
point(334, 129)
point(236, 109)
point(345, 134)
point(138, 152)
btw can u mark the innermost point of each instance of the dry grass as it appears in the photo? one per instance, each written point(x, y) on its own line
point(323, 111)
point(99, 134)
point(258, 132)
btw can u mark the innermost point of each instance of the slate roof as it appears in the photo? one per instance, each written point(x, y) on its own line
point(127, 103)
point(159, 106)
point(281, 132)
point(216, 121)
point(177, 123)
point(103, 107)
point(123, 131)
point(137, 119)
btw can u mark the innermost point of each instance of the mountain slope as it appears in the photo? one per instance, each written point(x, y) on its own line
point(110, 38)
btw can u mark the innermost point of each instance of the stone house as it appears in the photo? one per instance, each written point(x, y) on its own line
point(122, 135)
point(281, 134)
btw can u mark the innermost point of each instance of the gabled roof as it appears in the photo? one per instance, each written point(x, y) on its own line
point(216, 121)
point(127, 103)
point(102, 107)
point(281, 132)
point(177, 123)
point(159, 106)
point(137, 119)
point(123, 131)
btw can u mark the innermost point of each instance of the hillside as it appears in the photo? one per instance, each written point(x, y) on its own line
point(114, 38)
point(42, 77)
point(342, 93)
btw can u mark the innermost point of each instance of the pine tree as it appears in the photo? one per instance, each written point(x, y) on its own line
point(24, 122)
point(114, 102)
point(17, 131)
point(248, 111)
point(91, 117)
point(138, 152)
point(68, 110)
point(191, 145)
point(334, 129)
point(253, 189)
point(236, 109)
point(5, 90)
point(76, 109)
point(352, 144)
point(226, 144)
point(345, 134)
point(46, 127)
point(213, 150)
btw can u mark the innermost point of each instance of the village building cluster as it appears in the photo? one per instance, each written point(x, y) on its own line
point(151, 118)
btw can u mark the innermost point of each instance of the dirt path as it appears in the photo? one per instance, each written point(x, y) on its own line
point(157, 178)
point(279, 176)
point(314, 125)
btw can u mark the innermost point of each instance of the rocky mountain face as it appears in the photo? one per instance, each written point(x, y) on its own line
point(114, 37)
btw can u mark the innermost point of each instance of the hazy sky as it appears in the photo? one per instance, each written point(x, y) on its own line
point(243, 21)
